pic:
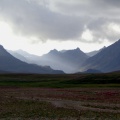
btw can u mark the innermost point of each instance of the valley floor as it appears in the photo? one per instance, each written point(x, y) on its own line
point(19, 103)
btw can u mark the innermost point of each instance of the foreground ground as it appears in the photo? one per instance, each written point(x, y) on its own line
point(28, 97)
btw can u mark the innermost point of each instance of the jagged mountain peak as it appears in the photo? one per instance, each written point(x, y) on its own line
point(54, 51)
point(77, 48)
point(66, 60)
point(104, 47)
point(75, 52)
point(74, 49)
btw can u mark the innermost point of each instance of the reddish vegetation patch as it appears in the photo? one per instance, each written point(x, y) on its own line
point(84, 94)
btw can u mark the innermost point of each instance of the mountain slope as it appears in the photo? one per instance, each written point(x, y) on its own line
point(3, 72)
point(95, 52)
point(106, 61)
point(11, 64)
point(67, 61)
point(24, 56)
point(18, 56)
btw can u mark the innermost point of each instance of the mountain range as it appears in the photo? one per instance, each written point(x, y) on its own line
point(13, 65)
point(66, 60)
point(24, 56)
point(107, 60)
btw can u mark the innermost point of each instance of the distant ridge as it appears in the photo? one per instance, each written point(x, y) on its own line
point(14, 65)
point(66, 60)
point(18, 56)
point(91, 54)
point(107, 60)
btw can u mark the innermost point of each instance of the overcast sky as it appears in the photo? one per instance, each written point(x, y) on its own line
point(40, 25)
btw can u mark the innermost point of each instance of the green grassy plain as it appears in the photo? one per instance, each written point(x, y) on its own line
point(61, 81)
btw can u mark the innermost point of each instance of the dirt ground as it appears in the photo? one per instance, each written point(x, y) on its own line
point(96, 99)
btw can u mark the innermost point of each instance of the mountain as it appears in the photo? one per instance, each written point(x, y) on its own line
point(3, 72)
point(24, 56)
point(14, 65)
point(62, 51)
point(18, 56)
point(107, 60)
point(95, 52)
point(67, 61)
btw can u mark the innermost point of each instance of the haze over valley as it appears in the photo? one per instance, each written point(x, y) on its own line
point(69, 36)
point(59, 59)
point(106, 59)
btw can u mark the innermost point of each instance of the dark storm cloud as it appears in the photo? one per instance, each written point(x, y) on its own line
point(63, 19)
point(31, 18)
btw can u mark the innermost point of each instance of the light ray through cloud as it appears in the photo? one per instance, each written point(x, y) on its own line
point(49, 24)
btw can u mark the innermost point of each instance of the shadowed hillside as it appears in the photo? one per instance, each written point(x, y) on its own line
point(67, 60)
point(106, 61)
point(11, 64)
